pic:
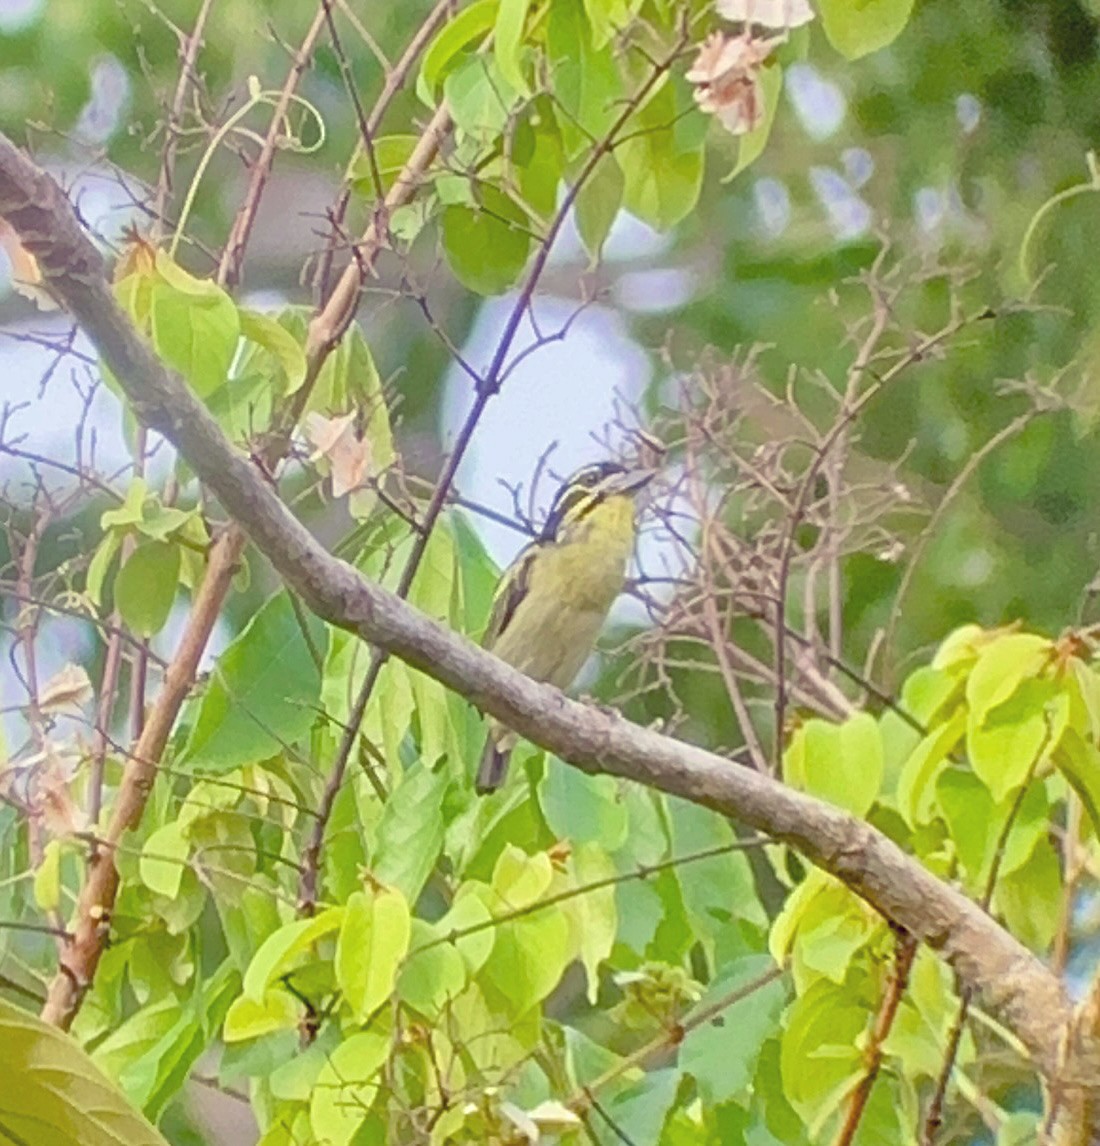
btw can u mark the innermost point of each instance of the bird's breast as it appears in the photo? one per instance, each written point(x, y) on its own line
point(588, 565)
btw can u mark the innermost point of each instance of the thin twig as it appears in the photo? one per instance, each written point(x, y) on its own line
point(905, 950)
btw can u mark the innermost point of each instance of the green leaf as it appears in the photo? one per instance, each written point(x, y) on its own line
point(277, 1010)
point(161, 521)
point(47, 877)
point(374, 937)
point(100, 565)
point(529, 957)
point(721, 1054)
point(916, 784)
point(487, 247)
point(716, 890)
point(347, 1085)
point(128, 1043)
point(1004, 749)
point(146, 585)
point(195, 327)
point(157, 1074)
point(840, 763)
point(751, 145)
point(519, 879)
point(586, 79)
point(131, 511)
point(429, 979)
point(281, 950)
point(1079, 761)
point(391, 153)
point(583, 808)
point(481, 98)
point(639, 1112)
point(262, 693)
point(662, 158)
point(1030, 898)
point(592, 915)
point(470, 24)
point(609, 17)
point(508, 42)
point(820, 1046)
point(1000, 670)
point(265, 331)
point(54, 1093)
point(409, 836)
point(858, 27)
point(967, 807)
point(537, 158)
point(163, 857)
point(469, 911)
point(598, 202)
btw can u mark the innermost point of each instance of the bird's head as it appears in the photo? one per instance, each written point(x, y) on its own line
point(592, 486)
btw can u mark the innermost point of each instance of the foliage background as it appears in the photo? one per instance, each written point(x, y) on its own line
point(948, 141)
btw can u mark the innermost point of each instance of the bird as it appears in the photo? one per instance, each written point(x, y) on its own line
point(552, 601)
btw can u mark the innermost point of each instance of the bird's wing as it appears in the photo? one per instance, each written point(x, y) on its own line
point(513, 587)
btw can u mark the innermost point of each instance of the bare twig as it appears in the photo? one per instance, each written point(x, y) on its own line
point(905, 950)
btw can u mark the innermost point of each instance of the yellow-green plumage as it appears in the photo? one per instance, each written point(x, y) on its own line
point(554, 598)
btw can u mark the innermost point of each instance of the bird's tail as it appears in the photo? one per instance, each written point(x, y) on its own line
point(493, 768)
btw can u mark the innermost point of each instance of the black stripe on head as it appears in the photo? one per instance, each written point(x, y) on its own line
point(576, 491)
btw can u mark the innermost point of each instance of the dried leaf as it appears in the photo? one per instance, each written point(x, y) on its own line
point(66, 692)
point(26, 275)
point(767, 13)
point(553, 1116)
point(726, 74)
point(348, 455)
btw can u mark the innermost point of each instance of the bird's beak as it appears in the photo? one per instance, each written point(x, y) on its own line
point(633, 481)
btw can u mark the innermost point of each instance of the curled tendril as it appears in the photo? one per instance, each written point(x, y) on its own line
point(286, 140)
point(1093, 184)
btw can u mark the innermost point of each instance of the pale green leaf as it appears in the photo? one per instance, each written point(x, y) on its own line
point(430, 978)
point(469, 913)
point(1001, 668)
point(163, 856)
point(508, 42)
point(409, 835)
point(265, 331)
point(916, 784)
point(54, 1094)
point(283, 949)
point(374, 937)
point(347, 1085)
point(469, 26)
point(100, 565)
point(840, 763)
point(47, 877)
point(276, 1010)
point(857, 27)
point(529, 957)
point(195, 332)
point(391, 153)
point(592, 915)
point(520, 879)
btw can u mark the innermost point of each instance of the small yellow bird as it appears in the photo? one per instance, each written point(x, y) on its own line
point(553, 599)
